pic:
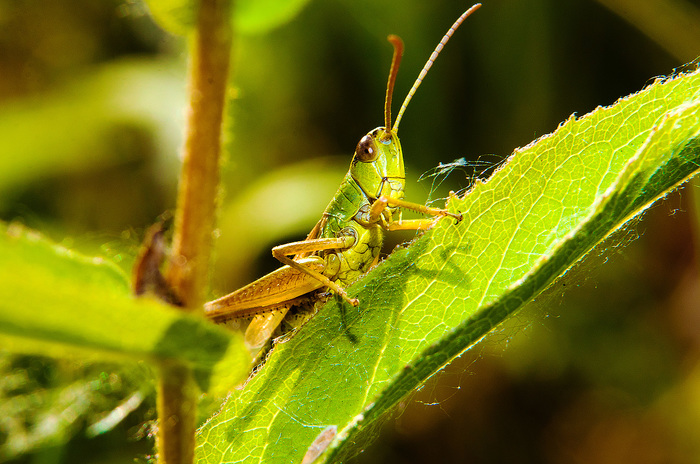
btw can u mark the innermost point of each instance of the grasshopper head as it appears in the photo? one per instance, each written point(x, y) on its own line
point(377, 165)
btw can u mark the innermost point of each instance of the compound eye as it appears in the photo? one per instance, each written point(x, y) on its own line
point(366, 150)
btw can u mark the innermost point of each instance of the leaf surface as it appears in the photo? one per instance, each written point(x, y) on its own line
point(553, 202)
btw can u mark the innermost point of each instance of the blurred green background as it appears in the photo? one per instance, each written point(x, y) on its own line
point(601, 368)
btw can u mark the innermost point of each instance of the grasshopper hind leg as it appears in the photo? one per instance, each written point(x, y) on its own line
point(266, 330)
point(262, 328)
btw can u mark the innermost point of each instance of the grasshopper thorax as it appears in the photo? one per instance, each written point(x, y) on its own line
point(377, 165)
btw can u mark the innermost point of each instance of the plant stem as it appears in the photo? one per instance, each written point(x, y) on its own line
point(199, 179)
point(210, 50)
point(177, 413)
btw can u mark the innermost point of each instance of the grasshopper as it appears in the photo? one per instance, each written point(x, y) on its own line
point(346, 242)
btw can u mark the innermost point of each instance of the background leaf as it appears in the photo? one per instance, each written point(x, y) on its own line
point(79, 120)
point(249, 16)
point(257, 16)
point(550, 205)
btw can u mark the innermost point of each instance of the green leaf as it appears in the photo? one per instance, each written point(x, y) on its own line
point(56, 302)
point(77, 121)
point(259, 16)
point(546, 208)
point(175, 16)
point(249, 16)
point(46, 402)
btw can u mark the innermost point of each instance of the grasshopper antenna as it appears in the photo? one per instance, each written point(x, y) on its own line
point(428, 65)
point(393, 71)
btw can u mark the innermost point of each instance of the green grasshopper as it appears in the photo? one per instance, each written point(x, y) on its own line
point(346, 242)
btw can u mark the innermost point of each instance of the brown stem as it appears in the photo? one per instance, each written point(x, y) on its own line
point(210, 50)
point(199, 179)
point(177, 414)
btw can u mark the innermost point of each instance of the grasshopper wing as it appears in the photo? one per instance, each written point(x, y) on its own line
point(268, 293)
